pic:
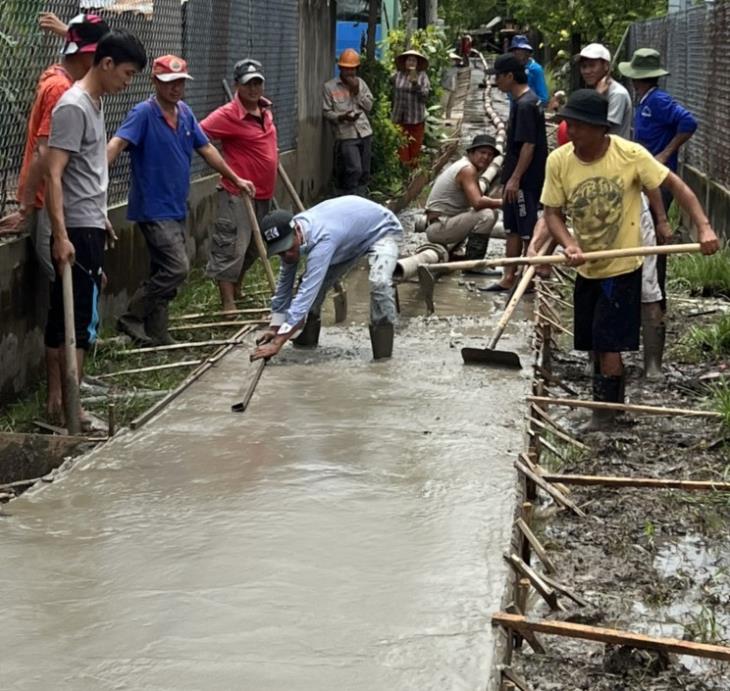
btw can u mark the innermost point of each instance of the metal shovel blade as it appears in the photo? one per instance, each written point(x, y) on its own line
point(495, 358)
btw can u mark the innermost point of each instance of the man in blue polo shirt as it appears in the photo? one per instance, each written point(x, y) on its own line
point(160, 135)
point(520, 47)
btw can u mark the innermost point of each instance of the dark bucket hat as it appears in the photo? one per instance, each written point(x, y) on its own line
point(586, 105)
point(646, 63)
point(482, 140)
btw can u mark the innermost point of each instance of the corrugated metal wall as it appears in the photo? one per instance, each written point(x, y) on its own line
point(695, 48)
point(211, 34)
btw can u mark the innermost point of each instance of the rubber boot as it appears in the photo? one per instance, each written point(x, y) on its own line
point(132, 323)
point(607, 390)
point(156, 326)
point(309, 335)
point(653, 336)
point(381, 340)
point(476, 248)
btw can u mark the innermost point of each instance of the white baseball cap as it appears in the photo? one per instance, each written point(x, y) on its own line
point(595, 51)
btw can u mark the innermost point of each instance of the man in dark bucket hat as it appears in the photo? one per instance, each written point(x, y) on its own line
point(597, 180)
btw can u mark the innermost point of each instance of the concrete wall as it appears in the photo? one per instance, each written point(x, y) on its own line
point(23, 294)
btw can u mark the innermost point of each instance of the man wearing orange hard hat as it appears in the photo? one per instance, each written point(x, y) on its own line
point(347, 100)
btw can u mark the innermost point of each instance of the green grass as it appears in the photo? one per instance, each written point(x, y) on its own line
point(720, 398)
point(701, 275)
point(198, 295)
point(713, 339)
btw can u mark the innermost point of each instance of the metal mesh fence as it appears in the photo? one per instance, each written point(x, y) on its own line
point(696, 51)
point(212, 35)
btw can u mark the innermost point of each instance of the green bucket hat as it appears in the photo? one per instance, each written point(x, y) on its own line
point(646, 63)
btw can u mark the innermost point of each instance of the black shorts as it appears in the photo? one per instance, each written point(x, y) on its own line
point(86, 272)
point(607, 313)
point(520, 217)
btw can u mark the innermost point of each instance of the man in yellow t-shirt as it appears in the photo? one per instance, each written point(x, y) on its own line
point(597, 180)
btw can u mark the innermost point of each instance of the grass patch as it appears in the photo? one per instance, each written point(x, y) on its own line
point(701, 275)
point(713, 339)
point(134, 393)
point(720, 398)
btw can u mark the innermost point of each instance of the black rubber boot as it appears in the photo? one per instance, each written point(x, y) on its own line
point(156, 326)
point(132, 323)
point(381, 340)
point(309, 335)
point(653, 335)
point(606, 390)
point(476, 248)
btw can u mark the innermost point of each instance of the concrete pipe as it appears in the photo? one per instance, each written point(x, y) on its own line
point(430, 253)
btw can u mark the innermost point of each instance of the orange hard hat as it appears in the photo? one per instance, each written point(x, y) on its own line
point(349, 58)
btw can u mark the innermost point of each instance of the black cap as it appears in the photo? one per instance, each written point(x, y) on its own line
point(247, 69)
point(482, 140)
point(507, 63)
point(586, 105)
point(278, 231)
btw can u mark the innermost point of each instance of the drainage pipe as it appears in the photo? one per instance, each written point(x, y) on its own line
point(430, 253)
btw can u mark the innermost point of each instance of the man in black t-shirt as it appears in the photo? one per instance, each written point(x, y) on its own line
point(523, 171)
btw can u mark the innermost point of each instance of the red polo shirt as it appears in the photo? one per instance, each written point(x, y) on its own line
point(249, 144)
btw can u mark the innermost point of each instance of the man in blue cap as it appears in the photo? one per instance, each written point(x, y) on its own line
point(520, 47)
point(332, 236)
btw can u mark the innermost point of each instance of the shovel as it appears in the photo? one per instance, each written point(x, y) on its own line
point(427, 279)
point(503, 358)
point(259, 240)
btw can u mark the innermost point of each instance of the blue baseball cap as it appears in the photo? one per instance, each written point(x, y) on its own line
point(520, 42)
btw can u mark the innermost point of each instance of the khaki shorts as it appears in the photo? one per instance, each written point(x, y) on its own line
point(231, 249)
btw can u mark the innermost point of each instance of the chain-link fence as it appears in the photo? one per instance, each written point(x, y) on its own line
point(212, 35)
point(695, 49)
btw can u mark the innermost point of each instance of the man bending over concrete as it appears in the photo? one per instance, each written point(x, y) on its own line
point(160, 135)
point(332, 237)
point(456, 208)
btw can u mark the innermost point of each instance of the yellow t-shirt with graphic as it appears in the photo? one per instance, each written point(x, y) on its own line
point(603, 199)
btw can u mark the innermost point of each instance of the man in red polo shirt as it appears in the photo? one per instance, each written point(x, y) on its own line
point(245, 127)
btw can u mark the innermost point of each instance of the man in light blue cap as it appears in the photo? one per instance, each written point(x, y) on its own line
point(520, 47)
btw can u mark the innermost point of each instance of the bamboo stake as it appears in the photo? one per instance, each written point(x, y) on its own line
point(181, 346)
point(544, 590)
point(223, 313)
point(153, 368)
point(554, 324)
point(552, 296)
point(536, 545)
point(564, 590)
point(550, 378)
point(558, 496)
point(560, 431)
point(626, 407)
point(598, 634)
point(216, 325)
point(638, 482)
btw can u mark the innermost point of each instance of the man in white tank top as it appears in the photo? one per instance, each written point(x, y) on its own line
point(456, 207)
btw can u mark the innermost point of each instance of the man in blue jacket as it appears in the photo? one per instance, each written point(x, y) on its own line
point(332, 236)
point(520, 47)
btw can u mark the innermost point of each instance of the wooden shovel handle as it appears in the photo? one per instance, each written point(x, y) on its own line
point(259, 240)
point(561, 259)
point(290, 187)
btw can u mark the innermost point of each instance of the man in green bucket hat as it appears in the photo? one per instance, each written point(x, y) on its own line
point(662, 126)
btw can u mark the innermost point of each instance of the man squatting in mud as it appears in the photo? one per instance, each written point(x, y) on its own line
point(597, 180)
point(332, 236)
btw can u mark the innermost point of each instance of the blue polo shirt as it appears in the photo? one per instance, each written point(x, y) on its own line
point(536, 80)
point(658, 118)
point(161, 157)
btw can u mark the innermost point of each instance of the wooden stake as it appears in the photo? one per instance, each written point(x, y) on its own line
point(598, 634)
point(536, 546)
point(180, 346)
point(550, 378)
point(224, 313)
point(554, 324)
point(518, 682)
point(216, 325)
point(544, 590)
point(639, 482)
point(626, 407)
point(549, 489)
point(558, 432)
point(152, 368)
point(564, 590)
point(259, 240)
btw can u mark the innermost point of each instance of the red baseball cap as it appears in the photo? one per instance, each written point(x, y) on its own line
point(83, 33)
point(169, 68)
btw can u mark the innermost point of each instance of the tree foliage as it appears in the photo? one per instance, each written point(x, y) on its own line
point(601, 21)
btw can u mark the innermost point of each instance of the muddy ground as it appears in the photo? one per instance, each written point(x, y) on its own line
point(649, 561)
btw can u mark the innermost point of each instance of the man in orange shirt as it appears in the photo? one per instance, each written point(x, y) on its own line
point(83, 33)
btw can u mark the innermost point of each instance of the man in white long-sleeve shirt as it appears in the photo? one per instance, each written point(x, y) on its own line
point(332, 236)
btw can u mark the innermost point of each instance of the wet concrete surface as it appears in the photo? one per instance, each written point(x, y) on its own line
point(345, 532)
